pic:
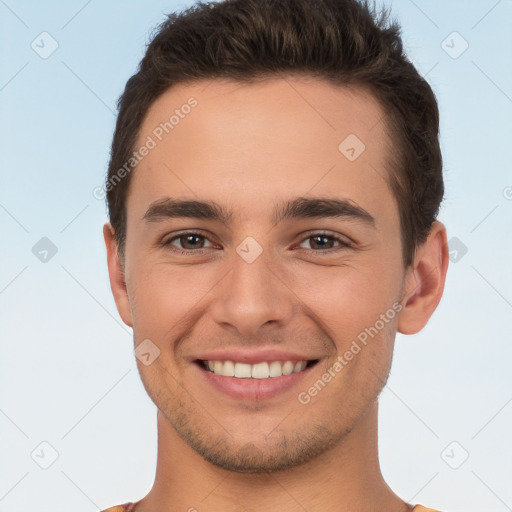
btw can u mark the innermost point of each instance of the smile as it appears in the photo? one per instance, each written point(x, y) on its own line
point(263, 370)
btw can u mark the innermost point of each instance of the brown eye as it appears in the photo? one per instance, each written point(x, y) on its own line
point(321, 242)
point(191, 241)
point(188, 242)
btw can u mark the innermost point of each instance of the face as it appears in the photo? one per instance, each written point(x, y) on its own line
point(257, 233)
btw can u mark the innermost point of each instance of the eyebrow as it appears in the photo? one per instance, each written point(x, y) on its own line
point(298, 208)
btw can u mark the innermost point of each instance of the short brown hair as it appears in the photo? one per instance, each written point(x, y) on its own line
point(342, 41)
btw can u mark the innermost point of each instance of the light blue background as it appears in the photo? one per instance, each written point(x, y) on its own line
point(68, 373)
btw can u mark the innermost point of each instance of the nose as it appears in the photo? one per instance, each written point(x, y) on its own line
point(251, 296)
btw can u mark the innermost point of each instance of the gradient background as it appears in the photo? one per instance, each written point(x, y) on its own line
point(68, 373)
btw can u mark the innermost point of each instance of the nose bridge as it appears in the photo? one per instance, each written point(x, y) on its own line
point(251, 295)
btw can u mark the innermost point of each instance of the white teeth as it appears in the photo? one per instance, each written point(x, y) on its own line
point(276, 369)
point(241, 370)
point(217, 367)
point(255, 371)
point(229, 369)
point(299, 366)
point(288, 368)
point(260, 371)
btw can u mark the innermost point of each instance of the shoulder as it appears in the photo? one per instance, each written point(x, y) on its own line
point(127, 507)
point(421, 508)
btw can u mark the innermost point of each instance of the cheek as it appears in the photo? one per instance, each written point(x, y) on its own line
point(353, 306)
point(346, 298)
point(164, 295)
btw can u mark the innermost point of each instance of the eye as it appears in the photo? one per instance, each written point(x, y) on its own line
point(323, 242)
point(188, 241)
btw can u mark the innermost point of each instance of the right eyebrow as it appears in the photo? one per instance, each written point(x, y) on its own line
point(168, 208)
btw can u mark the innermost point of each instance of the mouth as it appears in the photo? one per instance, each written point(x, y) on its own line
point(254, 382)
point(262, 370)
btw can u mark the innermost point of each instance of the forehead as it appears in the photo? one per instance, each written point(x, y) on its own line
point(247, 143)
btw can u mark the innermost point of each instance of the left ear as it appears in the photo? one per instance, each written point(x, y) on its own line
point(424, 281)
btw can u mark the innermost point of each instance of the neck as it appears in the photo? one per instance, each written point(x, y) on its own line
point(345, 478)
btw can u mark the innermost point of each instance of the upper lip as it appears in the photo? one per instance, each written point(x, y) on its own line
point(241, 355)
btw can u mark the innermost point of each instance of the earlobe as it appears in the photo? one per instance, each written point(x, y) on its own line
point(424, 281)
point(116, 275)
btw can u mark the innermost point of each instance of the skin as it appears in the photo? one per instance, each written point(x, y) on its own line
point(248, 147)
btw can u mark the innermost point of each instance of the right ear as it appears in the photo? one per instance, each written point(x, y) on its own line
point(116, 274)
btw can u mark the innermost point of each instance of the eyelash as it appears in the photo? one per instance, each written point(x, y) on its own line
point(342, 243)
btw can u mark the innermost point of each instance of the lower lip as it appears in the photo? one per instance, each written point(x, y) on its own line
point(253, 389)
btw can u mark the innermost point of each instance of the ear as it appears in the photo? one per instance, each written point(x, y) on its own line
point(116, 274)
point(424, 281)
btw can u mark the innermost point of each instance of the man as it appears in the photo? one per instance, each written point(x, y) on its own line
point(273, 188)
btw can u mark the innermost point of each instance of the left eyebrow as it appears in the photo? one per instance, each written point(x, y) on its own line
point(305, 207)
point(300, 207)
